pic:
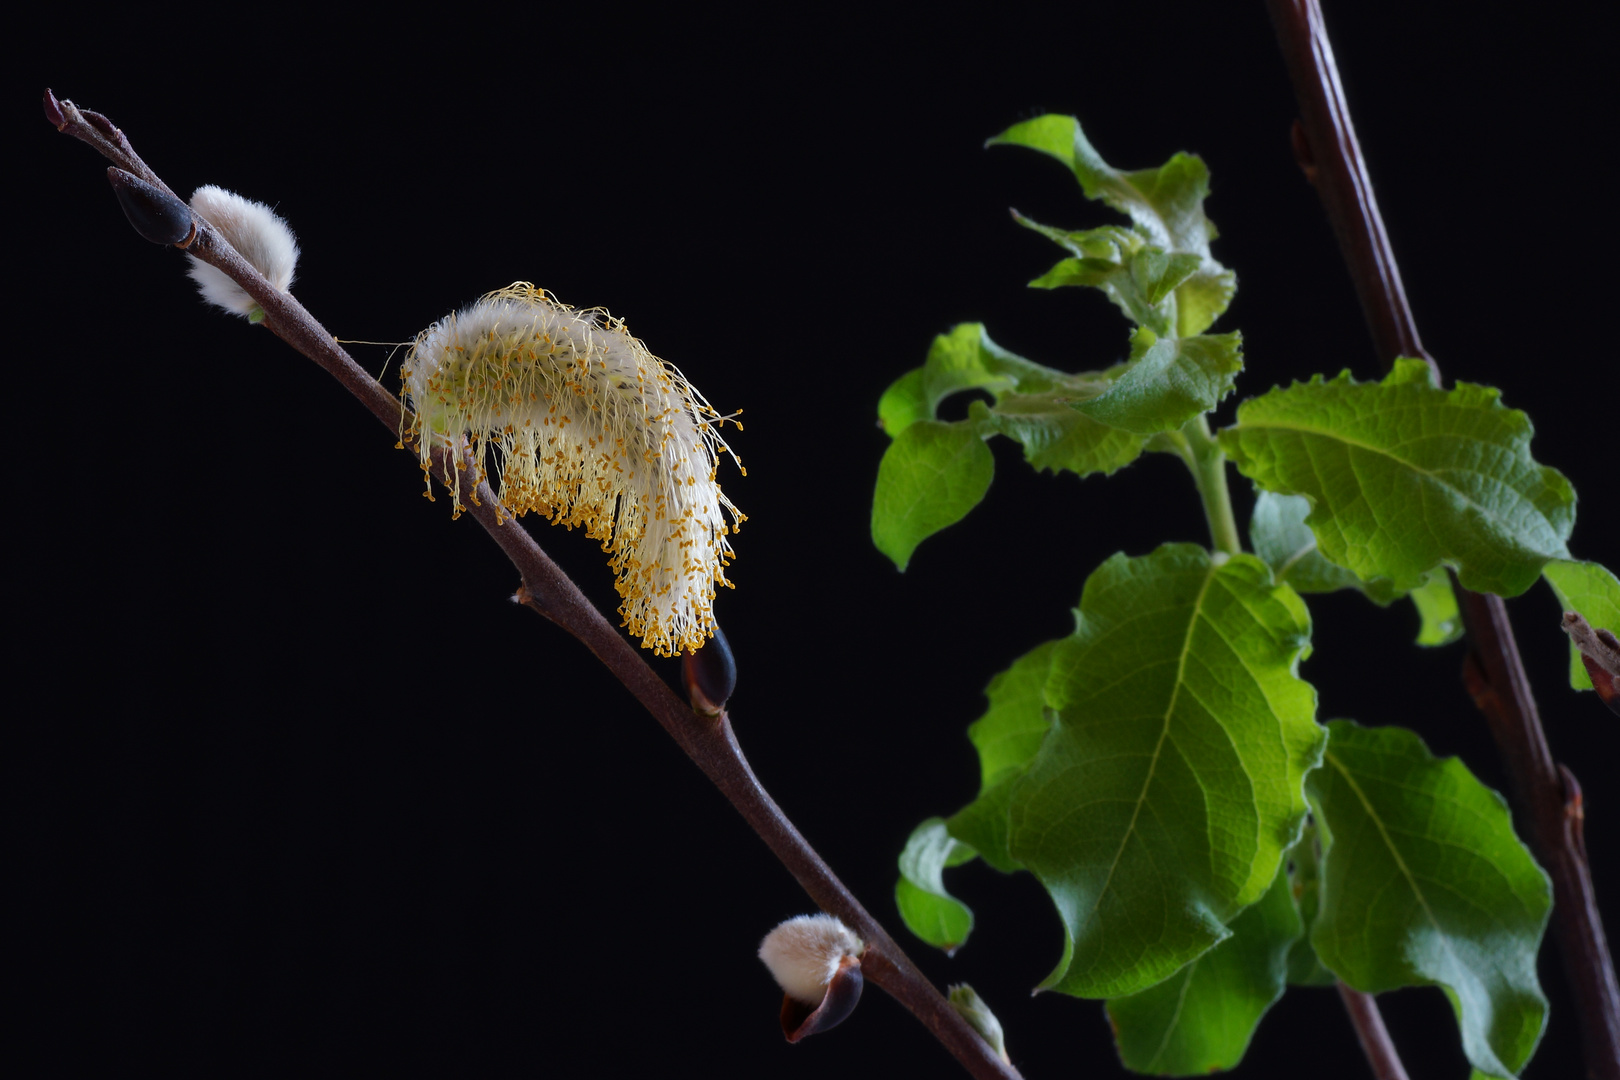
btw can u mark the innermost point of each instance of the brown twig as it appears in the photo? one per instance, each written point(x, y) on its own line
point(1600, 655)
point(709, 742)
point(1547, 808)
point(1374, 1036)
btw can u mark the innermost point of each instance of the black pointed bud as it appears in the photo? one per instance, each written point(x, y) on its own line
point(155, 214)
point(710, 674)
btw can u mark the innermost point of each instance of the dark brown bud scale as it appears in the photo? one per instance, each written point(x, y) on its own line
point(153, 212)
point(801, 1021)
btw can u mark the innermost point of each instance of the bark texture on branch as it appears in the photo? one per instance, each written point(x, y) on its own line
point(1546, 798)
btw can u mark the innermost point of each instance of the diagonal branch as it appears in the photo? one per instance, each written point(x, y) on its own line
point(709, 742)
point(1546, 798)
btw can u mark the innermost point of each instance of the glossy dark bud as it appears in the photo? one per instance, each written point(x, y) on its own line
point(155, 214)
point(800, 1020)
point(710, 674)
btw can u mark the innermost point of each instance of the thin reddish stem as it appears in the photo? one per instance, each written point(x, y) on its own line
point(709, 742)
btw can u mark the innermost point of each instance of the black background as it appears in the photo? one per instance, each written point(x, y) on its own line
point(294, 789)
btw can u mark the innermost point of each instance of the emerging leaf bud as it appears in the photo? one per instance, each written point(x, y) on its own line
point(589, 428)
point(257, 234)
point(815, 959)
point(966, 1001)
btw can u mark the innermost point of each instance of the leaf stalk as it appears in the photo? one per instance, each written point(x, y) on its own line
point(1207, 461)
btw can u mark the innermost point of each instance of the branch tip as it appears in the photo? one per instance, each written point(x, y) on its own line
point(53, 111)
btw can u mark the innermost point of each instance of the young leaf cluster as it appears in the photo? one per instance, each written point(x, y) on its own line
point(1161, 770)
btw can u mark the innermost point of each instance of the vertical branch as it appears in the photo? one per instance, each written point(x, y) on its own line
point(1546, 798)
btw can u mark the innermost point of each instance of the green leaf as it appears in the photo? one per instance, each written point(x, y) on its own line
point(1168, 382)
point(1304, 969)
point(1055, 436)
point(904, 403)
point(1200, 1020)
point(1166, 206)
point(1280, 537)
point(1007, 738)
point(935, 472)
point(930, 477)
point(1403, 477)
point(1437, 608)
point(1140, 278)
point(1424, 883)
point(1163, 799)
point(1591, 590)
point(928, 910)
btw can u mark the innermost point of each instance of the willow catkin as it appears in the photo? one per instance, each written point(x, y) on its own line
point(587, 427)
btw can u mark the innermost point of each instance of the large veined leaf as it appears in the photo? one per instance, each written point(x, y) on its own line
point(1166, 207)
point(1161, 802)
point(1403, 477)
point(1591, 590)
point(1200, 1019)
point(1425, 883)
point(928, 910)
point(1007, 737)
point(930, 477)
point(1168, 382)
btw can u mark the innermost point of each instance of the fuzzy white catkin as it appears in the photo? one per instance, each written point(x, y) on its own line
point(585, 426)
point(803, 954)
point(258, 235)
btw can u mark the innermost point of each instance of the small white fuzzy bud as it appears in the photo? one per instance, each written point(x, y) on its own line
point(803, 954)
point(258, 235)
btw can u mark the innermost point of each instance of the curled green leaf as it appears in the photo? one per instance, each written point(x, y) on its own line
point(1166, 208)
point(1167, 382)
point(928, 910)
